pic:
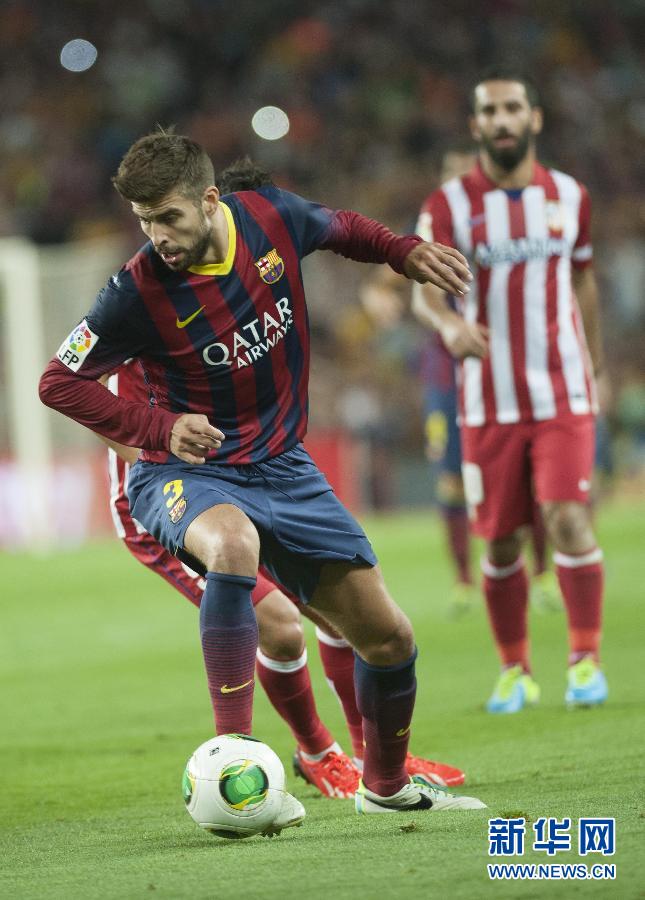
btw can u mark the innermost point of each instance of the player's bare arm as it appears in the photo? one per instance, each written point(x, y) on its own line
point(462, 338)
point(127, 454)
point(586, 288)
point(439, 265)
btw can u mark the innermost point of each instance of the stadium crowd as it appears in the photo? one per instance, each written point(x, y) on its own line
point(376, 92)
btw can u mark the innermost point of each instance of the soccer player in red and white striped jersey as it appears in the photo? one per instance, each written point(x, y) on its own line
point(528, 336)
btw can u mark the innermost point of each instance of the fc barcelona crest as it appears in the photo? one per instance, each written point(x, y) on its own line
point(177, 511)
point(270, 267)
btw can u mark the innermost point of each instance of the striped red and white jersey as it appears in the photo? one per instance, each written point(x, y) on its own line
point(522, 246)
point(129, 383)
point(126, 382)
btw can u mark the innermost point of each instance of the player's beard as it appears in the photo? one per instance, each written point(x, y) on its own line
point(508, 158)
point(196, 253)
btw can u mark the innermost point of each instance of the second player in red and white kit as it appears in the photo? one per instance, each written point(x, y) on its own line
point(528, 336)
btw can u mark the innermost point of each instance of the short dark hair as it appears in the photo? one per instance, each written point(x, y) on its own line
point(161, 162)
point(507, 73)
point(242, 175)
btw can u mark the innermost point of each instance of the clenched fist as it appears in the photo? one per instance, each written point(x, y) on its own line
point(192, 436)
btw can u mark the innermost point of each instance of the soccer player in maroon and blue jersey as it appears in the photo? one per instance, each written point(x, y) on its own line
point(281, 664)
point(213, 306)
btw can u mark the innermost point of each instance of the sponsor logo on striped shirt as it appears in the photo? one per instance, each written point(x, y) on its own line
point(519, 250)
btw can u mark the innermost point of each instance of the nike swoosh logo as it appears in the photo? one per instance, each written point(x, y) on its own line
point(187, 321)
point(403, 731)
point(422, 803)
point(225, 689)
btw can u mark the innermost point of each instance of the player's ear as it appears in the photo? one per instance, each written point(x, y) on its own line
point(474, 128)
point(537, 119)
point(210, 200)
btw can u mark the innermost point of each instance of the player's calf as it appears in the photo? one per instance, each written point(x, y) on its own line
point(356, 602)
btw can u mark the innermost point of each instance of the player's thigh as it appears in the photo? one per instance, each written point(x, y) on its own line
point(355, 600)
point(280, 629)
point(562, 457)
point(287, 609)
point(198, 513)
point(224, 539)
point(497, 478)
point(319, 620)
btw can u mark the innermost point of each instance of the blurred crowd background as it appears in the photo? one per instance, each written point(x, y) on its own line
point(376, 92)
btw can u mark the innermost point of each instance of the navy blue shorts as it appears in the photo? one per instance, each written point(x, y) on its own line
point(301, 523)
point(442, 431)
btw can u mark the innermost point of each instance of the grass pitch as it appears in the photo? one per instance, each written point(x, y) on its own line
point(104, 699)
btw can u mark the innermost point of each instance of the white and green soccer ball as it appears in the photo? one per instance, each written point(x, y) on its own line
point(233, 786)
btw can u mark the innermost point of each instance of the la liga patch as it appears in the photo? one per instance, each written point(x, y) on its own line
point(73, 351)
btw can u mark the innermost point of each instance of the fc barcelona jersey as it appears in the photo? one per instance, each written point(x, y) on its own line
point(231, 340)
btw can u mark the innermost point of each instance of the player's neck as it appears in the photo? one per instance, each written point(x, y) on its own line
point(218, 246)
point(515, 179)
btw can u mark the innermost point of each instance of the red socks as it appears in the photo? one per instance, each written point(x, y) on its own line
point(506, 592)
point(581, 582)
point(338, 663)
point(288, 687)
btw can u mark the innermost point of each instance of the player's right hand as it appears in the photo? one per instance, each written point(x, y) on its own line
point(437, 264)
point(465, 338)
point(192, 436)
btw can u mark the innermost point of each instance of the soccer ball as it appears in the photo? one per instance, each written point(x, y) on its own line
point(233, 786)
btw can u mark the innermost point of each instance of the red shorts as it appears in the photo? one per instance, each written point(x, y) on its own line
point(506, 466)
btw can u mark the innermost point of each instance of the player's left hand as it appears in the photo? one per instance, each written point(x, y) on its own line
point(442, 266)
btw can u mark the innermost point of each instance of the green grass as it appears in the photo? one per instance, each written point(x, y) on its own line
point(103, 700)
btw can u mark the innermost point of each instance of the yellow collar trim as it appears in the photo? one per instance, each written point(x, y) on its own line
point(225, 267)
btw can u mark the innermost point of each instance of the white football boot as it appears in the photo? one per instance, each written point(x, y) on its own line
point(292, 814)
point(416, 795)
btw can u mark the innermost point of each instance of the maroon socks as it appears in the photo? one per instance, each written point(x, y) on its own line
point(229, 635)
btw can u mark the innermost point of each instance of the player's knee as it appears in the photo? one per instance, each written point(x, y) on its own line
point(569, 526)
point(504, 551)
point(283, 642)
point(280, 628)
point(234, 546)
point(390, 647)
